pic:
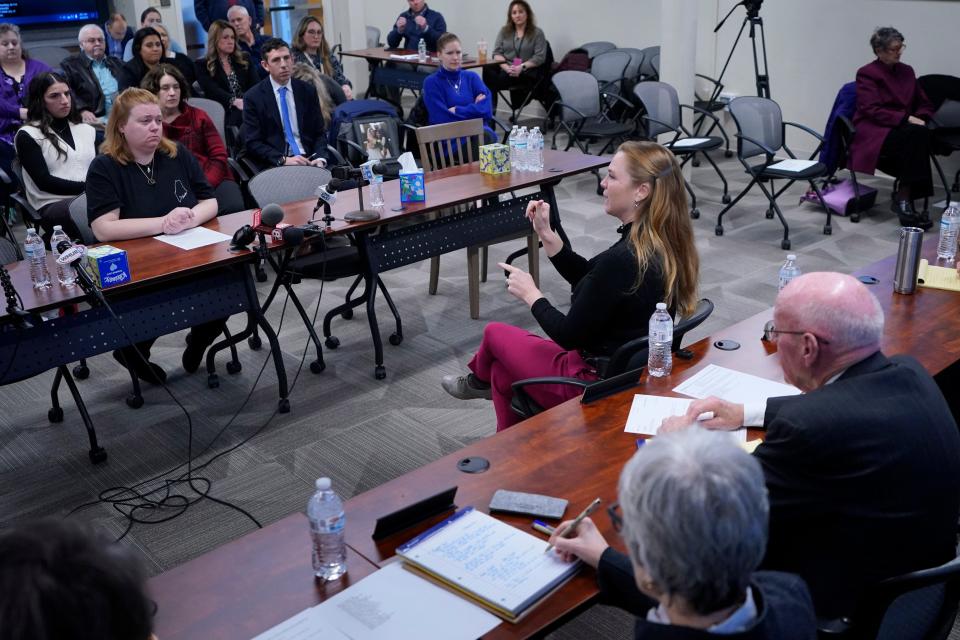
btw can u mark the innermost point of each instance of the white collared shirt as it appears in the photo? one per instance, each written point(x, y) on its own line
point(291, 109)
point(742, 619)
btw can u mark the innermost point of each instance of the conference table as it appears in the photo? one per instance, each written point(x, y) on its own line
point(399, 74)
point(574, 451)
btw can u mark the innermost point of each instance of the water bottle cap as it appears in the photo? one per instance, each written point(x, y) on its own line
point(791, 256)
point(323, 484)
point(661, 306)
point(57, 227)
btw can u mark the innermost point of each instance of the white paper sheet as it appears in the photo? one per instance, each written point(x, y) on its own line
point(194, 238)
point(793, 165)
point(688, 142)
point(733, 386)
point(405, 56)
point(391, 603)
point(647, 412)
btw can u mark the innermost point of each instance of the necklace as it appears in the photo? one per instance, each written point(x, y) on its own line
point(456, 87)
point(148, 172)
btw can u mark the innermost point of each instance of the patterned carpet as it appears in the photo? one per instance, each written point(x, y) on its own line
point(344, 424)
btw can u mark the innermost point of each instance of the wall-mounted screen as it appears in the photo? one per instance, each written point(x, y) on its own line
point(52, 14)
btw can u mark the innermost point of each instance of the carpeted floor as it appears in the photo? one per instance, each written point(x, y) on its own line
point(345, 424)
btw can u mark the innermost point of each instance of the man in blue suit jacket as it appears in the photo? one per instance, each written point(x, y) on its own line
point(209, 10)
point(281, 123)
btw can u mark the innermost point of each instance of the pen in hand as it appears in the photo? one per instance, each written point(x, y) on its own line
point(572, 528)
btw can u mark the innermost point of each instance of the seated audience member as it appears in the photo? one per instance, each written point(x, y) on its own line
point(93, 76)
point(279, 122)
point(865, 461)
point(694, 519)
point(226, 73)
point(148, 52)
point(183, 64)
point(310, 46)
point(891, 116)
point(55, 150)
point(614, 293)
point(118, 33)
point(148, 18)
point(61, 580)
point(208, 11)
point(145, 185)
point(248, 39)
point(521, 50)
point(419, 21)
point(16, 72)
point(308, 73)
point(452, 94)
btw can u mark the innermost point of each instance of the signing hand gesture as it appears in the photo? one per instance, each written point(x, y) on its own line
point(538, 213)
point(588, 543)
point(520, 284)
point(421, 22)
point(401, 23)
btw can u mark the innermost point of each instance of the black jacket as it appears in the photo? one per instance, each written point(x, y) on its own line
point(217, 87)
point(78, 72)
point(263, 135)
point(864, 480)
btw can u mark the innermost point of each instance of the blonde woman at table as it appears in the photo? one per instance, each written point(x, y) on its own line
point(144, 185)
point(614, 293)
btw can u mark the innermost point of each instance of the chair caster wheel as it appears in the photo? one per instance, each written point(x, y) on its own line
point(347, 314)
point(395, 339)
point(728, 153)
point(254, 343)
point(81, 372)
point(695, 214)
point(955, 187)
point(725, 199)
point(97, 455)
point(134, 402)
point(332, 342)
point(284, 405)
point(854, 217)
point(55, 414)
point(261, 275)
point(827, 230)
point(785, 245)
point(380, 372)
point(695, 163)
point(769, 214)
point(213, 381)
point(234, 367)
point(188, 339)
point(718, 230)
point(316, 366)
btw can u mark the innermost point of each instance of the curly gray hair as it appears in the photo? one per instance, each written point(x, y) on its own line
point(883, 37)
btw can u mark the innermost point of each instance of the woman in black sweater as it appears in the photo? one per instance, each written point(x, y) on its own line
point(614, 293)
point(226, 72)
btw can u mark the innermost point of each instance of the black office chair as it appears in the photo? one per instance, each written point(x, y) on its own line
point(30, 215)
point(921, 605)
point(628, 357)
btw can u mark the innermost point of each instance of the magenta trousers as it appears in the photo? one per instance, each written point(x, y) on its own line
point(508, 354)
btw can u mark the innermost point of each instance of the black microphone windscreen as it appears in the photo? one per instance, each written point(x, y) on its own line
point(63, 245)
point(338, 184)
point(387, 168)
point(292, 235)
point(271, 215)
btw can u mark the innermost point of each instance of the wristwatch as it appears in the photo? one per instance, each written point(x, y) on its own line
point(281, 161)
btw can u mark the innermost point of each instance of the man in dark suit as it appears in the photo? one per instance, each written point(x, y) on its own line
point(209, 10)
point(863, 469)
point(280, 122)
point(93, 75)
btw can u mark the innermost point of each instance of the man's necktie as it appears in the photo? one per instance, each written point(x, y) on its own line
point(287, 128)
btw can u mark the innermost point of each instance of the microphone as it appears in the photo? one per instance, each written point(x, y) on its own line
point(293, 236)
point(387, 168)
point(271, 215)
point(338, 184)
point(72, 255)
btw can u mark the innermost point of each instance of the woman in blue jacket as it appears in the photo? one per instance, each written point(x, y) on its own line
point(452, 94)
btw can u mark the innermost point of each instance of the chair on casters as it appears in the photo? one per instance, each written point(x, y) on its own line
point(373, 37)
point(452, 144)
point(30, 215)
point(594, 49)
point(650, 67)
point(921, 605)
point(629, 357)
point(663, 115)
point(761, 130)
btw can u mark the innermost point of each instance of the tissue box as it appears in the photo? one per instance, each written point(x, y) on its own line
point(109, 265)
point(412, 187)
point(494, 158)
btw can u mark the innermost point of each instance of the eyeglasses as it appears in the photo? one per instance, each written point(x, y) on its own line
point(613, 510)
point(897, 48)
point(93, 40)
point(770, 333)
point(314, 32)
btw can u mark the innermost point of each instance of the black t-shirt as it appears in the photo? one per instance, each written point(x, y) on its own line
point(179, 183)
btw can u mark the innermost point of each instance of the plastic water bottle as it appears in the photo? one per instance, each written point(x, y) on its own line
point(949, 228)
point(325, 511)
point(522, 163)
point(376, 191)
point(512, 141)
point(36, 253)
point(535, 150)
point(660, 336)
point(65, 272)
point(788, 271)
point(422, 50)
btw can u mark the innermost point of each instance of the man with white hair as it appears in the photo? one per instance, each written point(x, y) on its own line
point(93, 75)
point(863, 468)
point(209, 10)
point(248, 39)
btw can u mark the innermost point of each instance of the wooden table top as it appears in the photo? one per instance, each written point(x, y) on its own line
point(246, 586)
point(383, 54)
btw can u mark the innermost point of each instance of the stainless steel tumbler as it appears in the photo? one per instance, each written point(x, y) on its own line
point(908, 260)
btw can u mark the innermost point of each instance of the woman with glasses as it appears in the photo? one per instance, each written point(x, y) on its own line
point(890, 121)
point(693, 515)
point(310, 47)
point(454, 95)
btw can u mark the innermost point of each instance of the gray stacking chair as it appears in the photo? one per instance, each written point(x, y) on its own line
point(51, 55)
point(761, 131)
point(78, 213)
point(228, 193)
point(373, 37)
point(663, 116)
point(649, 70)
point(215, 110)
point(594, 49)
point(610, 70)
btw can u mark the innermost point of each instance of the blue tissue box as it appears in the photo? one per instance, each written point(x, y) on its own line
point(412, 187)
point(109, 265)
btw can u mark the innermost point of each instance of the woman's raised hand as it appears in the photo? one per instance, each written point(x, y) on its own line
point(538, 212)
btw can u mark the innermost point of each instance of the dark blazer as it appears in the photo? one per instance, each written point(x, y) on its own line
point(263, 135)
point(784, 610)
point(132, 73)
point(217, 87)
point(78, 72)
point(863, 476)
point(209, 10)
point(886, 96)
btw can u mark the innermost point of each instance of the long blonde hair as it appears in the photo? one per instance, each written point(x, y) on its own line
point(664, 230)
point(114, 144)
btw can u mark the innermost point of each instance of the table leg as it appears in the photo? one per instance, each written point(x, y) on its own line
point(254, 311)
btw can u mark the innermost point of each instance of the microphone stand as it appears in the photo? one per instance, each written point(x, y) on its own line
point(361, 214)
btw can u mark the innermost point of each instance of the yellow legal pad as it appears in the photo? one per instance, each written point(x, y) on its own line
point(933, 277)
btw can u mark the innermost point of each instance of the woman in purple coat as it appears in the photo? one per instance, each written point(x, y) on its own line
point(892, 112)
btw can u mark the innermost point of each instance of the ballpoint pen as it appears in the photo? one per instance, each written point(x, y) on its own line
point(571, 529)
